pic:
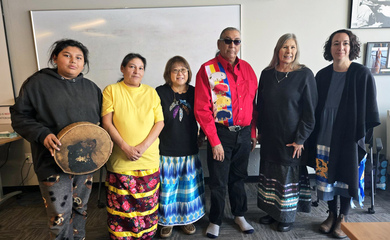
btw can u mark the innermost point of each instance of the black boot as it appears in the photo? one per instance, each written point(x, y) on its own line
point(266, 220)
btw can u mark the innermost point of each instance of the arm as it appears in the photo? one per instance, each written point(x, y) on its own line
point(23, 115)
point(131, 152)
point(108, 125)
point(152, 136)
point(157, 126)
point(307, 122)
point(254, 119)
point(259, 109)
point(204, 109)
point(25, 123)
point(218, 153)
point(309, 102)
point(204, 113)
point(372, 113)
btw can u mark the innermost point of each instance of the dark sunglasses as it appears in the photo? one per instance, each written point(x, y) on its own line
point(229, 41)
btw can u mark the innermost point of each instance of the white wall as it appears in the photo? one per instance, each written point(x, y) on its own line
point(263, 22)
point(6, 90)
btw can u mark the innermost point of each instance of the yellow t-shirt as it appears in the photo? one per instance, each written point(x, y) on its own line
point(135, 111)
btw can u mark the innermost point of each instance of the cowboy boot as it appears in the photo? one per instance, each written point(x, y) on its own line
point(327, 225)
point(337, 232)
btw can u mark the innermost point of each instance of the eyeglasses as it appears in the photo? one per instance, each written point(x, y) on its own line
point(182, 70)
point(229, 41)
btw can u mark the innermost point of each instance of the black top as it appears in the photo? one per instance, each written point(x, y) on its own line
point(286, 113)
point(179, 135)
point(356, 114)
point(46, 104)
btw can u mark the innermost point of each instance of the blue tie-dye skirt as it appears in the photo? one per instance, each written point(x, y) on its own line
point(182, 197)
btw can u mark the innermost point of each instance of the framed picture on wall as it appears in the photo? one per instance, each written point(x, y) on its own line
point(377, 58)
point(370, 14)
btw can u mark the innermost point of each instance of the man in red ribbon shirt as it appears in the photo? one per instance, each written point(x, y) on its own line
point(225, 91)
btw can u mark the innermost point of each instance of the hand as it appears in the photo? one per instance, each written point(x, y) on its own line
point(298, 148)
point(132, 153)
point(141, 148)
point(218, 153)
point(253, 142)
point(51, 142)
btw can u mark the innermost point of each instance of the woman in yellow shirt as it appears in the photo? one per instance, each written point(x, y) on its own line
point(133, 117)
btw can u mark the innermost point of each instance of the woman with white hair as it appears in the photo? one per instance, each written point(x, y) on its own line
point(286, 101)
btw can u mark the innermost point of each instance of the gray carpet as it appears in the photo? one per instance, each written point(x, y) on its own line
point(25, 218)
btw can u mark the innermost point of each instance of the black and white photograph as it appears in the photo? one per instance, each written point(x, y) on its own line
point(377, 57)
point(370, 14)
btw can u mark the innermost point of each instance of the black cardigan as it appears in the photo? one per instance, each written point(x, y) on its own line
point(357, 113)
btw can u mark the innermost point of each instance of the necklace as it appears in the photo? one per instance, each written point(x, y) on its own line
point(279, 80)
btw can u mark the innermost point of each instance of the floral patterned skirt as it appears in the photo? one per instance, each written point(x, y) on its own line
point(132, 204)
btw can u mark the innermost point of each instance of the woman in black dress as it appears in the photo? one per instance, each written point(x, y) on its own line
point(287, 97)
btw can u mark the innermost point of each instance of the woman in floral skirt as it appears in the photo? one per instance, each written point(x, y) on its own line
point(133, 117)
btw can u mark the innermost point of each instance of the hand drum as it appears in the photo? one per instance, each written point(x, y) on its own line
point(85, 148)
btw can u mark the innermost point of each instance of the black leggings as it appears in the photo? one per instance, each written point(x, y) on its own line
point(345, 205)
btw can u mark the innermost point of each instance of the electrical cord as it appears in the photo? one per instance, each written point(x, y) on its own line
point(21, 172)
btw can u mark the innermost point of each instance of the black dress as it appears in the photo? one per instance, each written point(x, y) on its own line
point(286, 106)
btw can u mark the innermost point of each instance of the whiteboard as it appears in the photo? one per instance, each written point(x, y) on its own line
point(156, 33)
point(6, 89)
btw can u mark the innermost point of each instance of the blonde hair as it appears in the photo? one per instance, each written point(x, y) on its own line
point(275, 59)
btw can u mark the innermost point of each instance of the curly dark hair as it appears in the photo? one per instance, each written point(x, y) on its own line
point(353, 42)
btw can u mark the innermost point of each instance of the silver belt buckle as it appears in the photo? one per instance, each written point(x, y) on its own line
point(235, 128)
